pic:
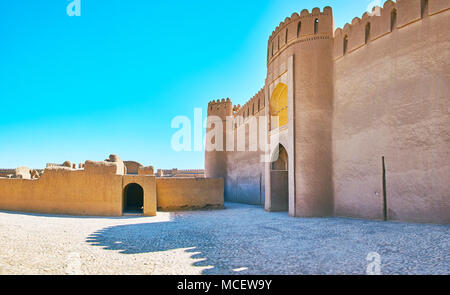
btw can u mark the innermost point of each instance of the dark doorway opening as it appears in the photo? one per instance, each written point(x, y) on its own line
point(133, 198)
point(279, 184)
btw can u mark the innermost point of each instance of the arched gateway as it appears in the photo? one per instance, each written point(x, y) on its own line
point(278, 169)
point(133, 198)
point(279, 180)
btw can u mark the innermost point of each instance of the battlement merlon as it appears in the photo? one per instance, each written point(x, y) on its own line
point(300, 28)
point(383, 21)
point(224, 107)
point(221, 108)
point(251, 107)
point(317, 25)
point(408, 11)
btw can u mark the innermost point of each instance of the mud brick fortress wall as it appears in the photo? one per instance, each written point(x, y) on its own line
point(347, 99)
point(100, 189)
point(96, 190)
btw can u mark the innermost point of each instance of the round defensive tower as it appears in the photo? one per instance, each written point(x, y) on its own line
point(299, 59)
point(215, 152)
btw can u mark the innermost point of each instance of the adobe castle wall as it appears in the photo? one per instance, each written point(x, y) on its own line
point(242, 170)
point(391, 99)
point(377, 87)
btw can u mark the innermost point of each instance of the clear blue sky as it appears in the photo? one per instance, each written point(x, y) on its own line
point(112, 80)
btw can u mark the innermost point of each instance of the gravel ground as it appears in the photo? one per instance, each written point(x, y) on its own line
point(241, 239)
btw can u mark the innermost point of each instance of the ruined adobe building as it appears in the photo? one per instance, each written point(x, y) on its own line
point(348, 100)
point(106, 188)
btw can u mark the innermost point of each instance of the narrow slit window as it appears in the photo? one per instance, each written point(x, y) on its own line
point(286, 40)
point(424, 8)
point(393, 19)
point(299, 29)
point(345, 44)
point(367, 38)
point(316, 26)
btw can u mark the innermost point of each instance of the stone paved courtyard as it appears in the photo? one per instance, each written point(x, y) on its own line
point(242, 239)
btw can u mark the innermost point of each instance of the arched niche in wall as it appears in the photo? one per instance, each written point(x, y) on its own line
point(279, 105)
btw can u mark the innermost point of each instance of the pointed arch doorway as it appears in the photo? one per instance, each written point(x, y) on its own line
point(279, 180)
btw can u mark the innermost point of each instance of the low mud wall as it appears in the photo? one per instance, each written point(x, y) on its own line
point(189, 193)
point(63, 191)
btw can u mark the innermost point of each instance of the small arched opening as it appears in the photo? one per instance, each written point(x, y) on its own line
point(279, 180)
point(133, 198)
point(280, 159)
point(316, 26)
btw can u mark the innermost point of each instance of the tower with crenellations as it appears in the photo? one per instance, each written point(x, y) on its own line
point(300, 61)
point(359, 115)
point(215, 155)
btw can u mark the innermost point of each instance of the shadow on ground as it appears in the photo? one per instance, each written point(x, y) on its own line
point(222, 255)
point(257, 242)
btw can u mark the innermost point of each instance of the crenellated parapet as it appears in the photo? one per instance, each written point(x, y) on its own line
point(383, 21)
point(221, 108)
point(318, 25)
point(251, 107)
point(198, 171)
point(304, 27)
